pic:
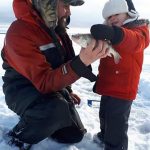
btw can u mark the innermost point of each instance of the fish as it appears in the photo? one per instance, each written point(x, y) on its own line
point(84, 39)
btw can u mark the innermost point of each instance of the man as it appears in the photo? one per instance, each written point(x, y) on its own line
point(40, 67)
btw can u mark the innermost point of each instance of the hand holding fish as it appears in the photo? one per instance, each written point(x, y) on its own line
point(84, 39)
point(95, 50)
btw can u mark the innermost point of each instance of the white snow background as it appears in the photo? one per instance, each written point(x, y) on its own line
point(139, 122)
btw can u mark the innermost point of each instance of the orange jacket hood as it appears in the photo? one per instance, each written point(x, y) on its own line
point(23, 10)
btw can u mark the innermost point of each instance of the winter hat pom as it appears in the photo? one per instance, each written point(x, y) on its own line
point(113, 7)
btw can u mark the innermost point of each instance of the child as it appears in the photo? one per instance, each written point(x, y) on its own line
point(118, 83)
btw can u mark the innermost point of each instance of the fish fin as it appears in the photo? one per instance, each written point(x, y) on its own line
point(117, 58)
point(110, 55)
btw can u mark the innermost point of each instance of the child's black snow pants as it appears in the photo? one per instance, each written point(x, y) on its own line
point(114, 114)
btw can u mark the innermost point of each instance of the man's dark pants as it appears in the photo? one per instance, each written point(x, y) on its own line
point(54, 117)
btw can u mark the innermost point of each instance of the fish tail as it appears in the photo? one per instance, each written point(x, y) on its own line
point(115, 54)
point(117, 58)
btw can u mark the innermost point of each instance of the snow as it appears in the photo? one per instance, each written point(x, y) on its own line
point(139, 122)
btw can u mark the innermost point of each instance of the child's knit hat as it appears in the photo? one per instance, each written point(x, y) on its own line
point(113, 7)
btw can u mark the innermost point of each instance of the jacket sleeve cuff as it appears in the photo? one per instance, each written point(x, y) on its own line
point(118, 35)
point(81, 70)
point(69, 89)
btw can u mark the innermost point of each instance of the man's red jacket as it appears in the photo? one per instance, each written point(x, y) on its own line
point(24, 46)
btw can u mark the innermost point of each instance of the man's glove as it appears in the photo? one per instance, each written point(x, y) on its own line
point(75, 98)
point(113, 34)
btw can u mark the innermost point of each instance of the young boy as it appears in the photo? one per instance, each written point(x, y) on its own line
point(118, 83)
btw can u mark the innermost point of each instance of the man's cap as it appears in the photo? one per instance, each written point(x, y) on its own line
point(48, 9)
point(74, 2)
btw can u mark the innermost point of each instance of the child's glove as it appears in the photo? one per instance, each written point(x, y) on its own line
point(113, 34)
